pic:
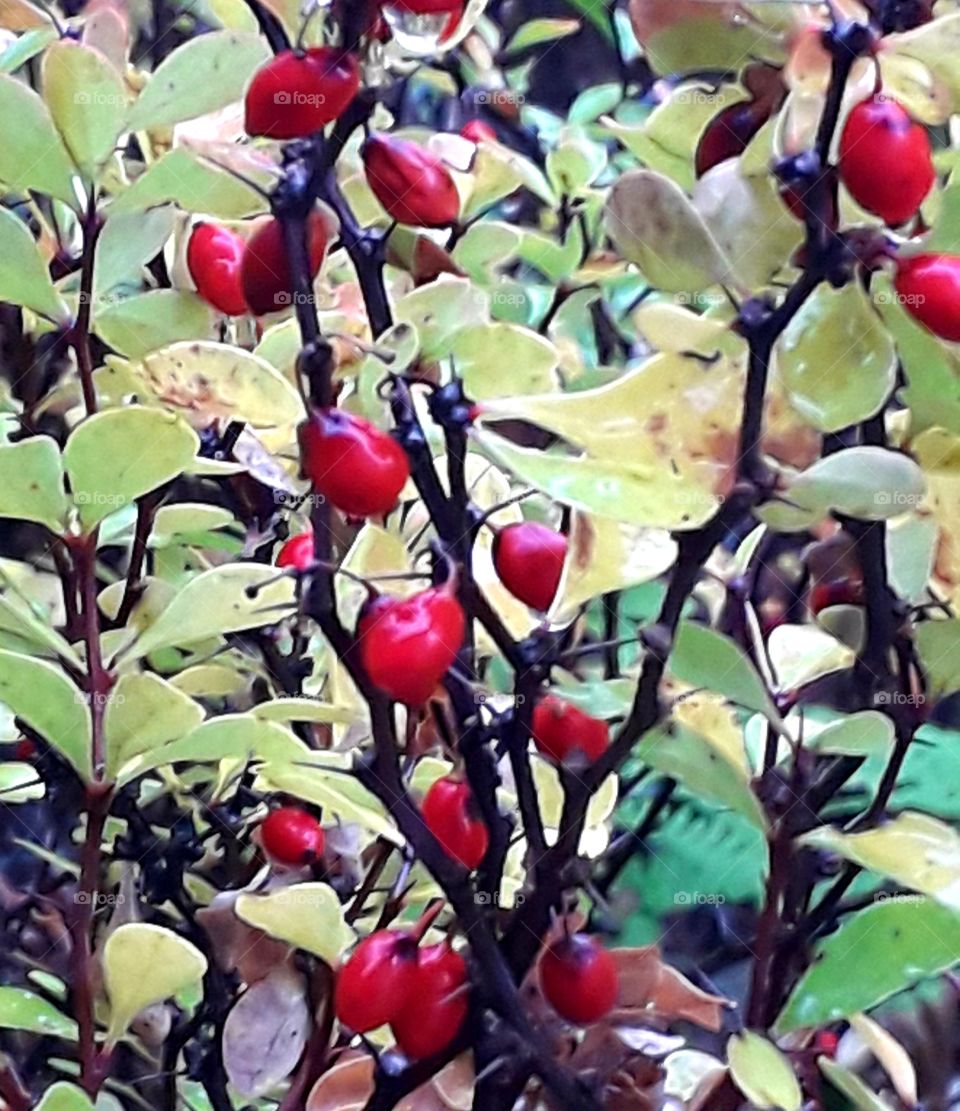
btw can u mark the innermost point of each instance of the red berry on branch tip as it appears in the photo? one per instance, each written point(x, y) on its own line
point(451, 814)
point(297, 552)
point(529, 559)
point(411, 182)
point(265, 271)
point(214, 258)
point(292, 836)
point(356, 466)
point(299, 91)
point(579, 979)
point(478, 131)
point(436, 1006)
point(376, 980)
point(928, 287)
point(563, 731)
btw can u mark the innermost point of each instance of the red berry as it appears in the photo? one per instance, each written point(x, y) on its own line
point(436, 1005)
point(24, 749)
point(929, 289)
point(298, 92)
point(408, 644)
point(826, 1042)
point(297, 552)
point(291, 836)
point(411, 182)
point(214, 256)
point(529, 559)
point(477, 131)
point(885, 160)
point(579, 979)
point(836, 592)
point(352, 463)
point(376, 981)
point(450, 812)
point(727, 135)
point(264, 271)
point(561, 730)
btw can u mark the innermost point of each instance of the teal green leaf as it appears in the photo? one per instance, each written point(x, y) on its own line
point(24, 278)
point(115, 456)
point(709, 660)
point(535, 32)
point(227, 60)
point(126, 244)
point(22, 1010)
point(87, 101)
point(138, 325)
point(867, 733)
point(31, 482)
point(26, 46)
point(38, 159)
point(848, 1083)
point(50, 703)
point(763, 1073)
point(145, 712)
point(875, 953)
point(836, 359)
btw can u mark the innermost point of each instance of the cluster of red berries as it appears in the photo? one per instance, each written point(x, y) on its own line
point(420, 992)
point(291, 836)
point(237, 275)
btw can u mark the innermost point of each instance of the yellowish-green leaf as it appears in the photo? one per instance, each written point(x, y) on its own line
point(24, 278)
point(143, 713)
point(87, 101)
point(499, 171)
point(763, 1073)
point(126, 244)
point(37, 160)
point(115, 456)
point(440, 311)
point(866, 733)
point(913, 849)
point(849, 1084)
point(23, 1010)
point(707, 659)
point(653, 223)
point(64, 1096)
point(938, 643)
point(836, 359)
point(20, 782)
point(184, 518)
point(222, 600)
point(31, 482)
point(308, 916)
point(496, 359)
point(801, 653)
point(50, 703)
point(144, 964)
point(303, 709)
point(161, 317)
point(227, 60)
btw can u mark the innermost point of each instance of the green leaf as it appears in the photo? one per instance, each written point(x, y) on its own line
point(535, 32)
point(37, 159)
point(22, 1010)
point(303, 709)
point(701, 767)
point(50, 703)
point(707, 659)
point(653, 223)
point(194, 185)
point(870, 483)
point(143, 713)
point(24, 278)
point(138, 325)
point(222, 600)
point(126, 244)
point(914, 849)
point(836, 359)
point(31, 622)
point(144, 964)
point(440, 310)
point(799, 654)
point(228, 737)
point(938, 643)
point(20, 783)
point(866, 733)
point(227, 60)
point(64, 1096)
point(31, 482)
point(308, 916)
point(114, 457)
point(87, 100)
point(763, 1073)
point(26, 46)
point(875, 953)
point(850, 1085)
point(497, 359)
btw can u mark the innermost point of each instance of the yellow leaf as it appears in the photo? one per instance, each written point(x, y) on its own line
point(308, 916)
point(763, 1073)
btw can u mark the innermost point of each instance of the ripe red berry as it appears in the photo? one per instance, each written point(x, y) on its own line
point(298, 92)
point(727, 135)
point(408, 644)
point(836, 592)
point(265, 273)
point(355, 465)
point(436, 1005)
point(451, 814)
point(290, 835)
point(561, 731)
point(297, 552)
point(826, 1042)
point(214, 256)
point(376, 981)
point(579, 979)
point(929, 289)
point(24, 749)
point(885, 160)
point(477, 131)
point(411, 182)
point(529, 559)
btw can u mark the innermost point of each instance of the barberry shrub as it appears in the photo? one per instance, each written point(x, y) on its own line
point(479, 498)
